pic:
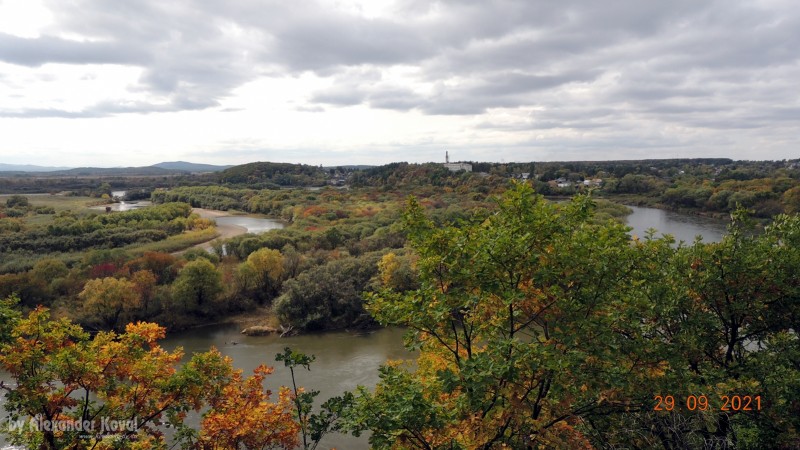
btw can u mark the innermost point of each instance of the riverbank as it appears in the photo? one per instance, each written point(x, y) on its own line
point(224, 231)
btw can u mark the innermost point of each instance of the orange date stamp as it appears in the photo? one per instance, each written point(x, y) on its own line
point(701, 403)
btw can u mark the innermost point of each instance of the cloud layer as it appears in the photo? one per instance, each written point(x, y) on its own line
point(622, 74)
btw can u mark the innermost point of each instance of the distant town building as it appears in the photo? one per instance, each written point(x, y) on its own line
point(593, 183)
point(455, 167)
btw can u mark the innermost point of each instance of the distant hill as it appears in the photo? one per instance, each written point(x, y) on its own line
point(28, 168)
point(115, 171)
point(190, 167)
point(269, 174)
point(164, 168)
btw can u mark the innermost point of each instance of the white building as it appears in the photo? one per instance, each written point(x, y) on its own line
point(455, 167)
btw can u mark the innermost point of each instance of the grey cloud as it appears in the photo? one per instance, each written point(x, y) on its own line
point(48, 113)
point(604, 68)
point(394, 98)
point(339, 97)
point(47, 49)
point(330, 43)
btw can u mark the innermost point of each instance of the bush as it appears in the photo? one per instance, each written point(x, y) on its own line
point(328, 296)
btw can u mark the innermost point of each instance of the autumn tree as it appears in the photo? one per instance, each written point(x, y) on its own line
point(540, 327)
point(515, 318)
point(198, 285)
point(397, 272)
point(791, 200)
point(111, 301)
point(241, 415)
point(262, 272)
point(145, 285)
point(62, 375)
point(122, 390)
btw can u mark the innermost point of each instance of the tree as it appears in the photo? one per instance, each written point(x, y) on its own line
point(313, 426)
point(266, 267)
point(145, 284)
point(728, 313)
point(397, 272)
point(543, 327)
point(106, 299)
point(17, 201)
point(198, 285)
point(9, 316)
point(515, 318)
point(242, 416)
point(48, 269)
point(121, 391)
point(791, 200)
point(328, 296)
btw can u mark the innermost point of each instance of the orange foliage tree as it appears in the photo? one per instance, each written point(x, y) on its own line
point(120, 390)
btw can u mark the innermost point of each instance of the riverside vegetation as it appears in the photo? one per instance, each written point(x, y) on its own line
point(538, 325)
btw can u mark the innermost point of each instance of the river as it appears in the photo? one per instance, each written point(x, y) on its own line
point(683, 227)
point(343, 360)
point(346, 360)
point(255, 225)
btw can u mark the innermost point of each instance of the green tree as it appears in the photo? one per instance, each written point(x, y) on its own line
point(265, 266)
point(328, 296)
point(791, 200)
point(48, 269)
point(197, 287)
point(728, 312)
point(330, 418)
point(17, 201)
point(110, 301)
point(515, 318)
point(9, 316)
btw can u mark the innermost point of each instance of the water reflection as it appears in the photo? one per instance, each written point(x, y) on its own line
point(683, 227)
point(253, 225)
point(343, 360)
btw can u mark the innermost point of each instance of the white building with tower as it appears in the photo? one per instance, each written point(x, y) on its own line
point(455, 167)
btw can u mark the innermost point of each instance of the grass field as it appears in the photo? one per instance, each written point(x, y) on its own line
point(80, 205)
point(59, 202)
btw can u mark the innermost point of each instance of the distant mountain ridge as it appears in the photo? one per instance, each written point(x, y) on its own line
point(190, 167)
point(163, 168)
point(28, 168)
point(118, 171)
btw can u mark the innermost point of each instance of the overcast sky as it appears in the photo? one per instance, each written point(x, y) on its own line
point(136, 82)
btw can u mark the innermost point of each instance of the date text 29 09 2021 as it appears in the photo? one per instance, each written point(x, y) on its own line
point(701, 403)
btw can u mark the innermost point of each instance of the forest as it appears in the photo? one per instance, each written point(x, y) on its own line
point(537, 323)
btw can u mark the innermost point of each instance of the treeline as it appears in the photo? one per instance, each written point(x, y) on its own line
point(89, 186)
point(212, 197)
point(713, 185)
point(765, 188)
point(261, 175)
point(68, 232)
point(257, 175)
